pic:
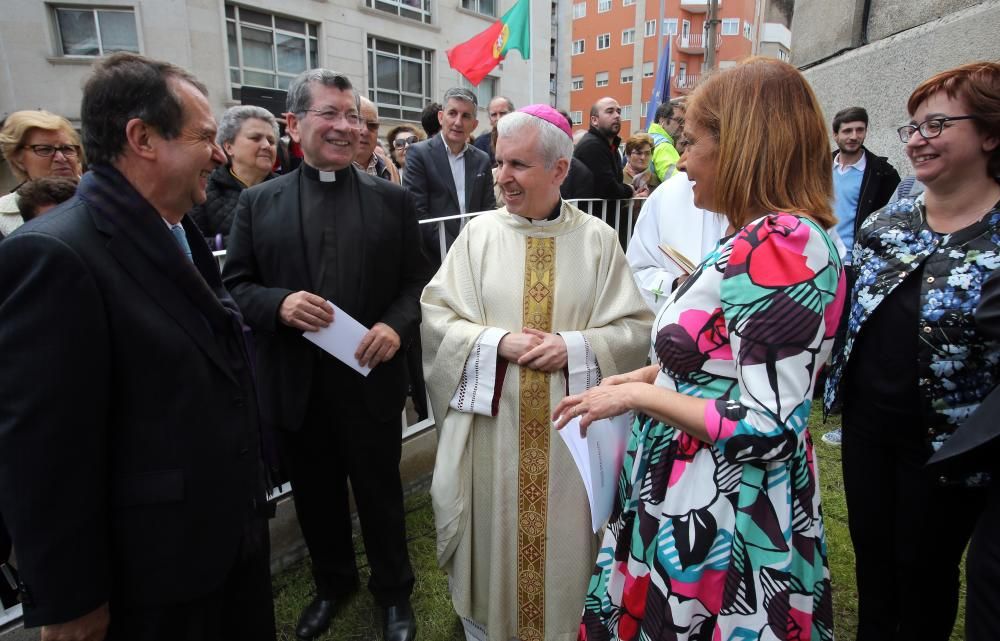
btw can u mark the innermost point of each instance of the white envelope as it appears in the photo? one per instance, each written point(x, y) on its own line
point(341, 338)
point(598, 458)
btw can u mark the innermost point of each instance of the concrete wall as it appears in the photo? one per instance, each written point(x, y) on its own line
point(881, 76)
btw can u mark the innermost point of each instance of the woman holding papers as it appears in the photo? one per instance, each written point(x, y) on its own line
point(717, 531)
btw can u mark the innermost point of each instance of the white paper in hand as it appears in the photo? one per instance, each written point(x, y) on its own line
point(598, 458)
point(341, 338)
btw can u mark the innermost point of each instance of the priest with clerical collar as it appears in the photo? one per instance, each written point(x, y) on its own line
point(330, 233)
point(533, 300)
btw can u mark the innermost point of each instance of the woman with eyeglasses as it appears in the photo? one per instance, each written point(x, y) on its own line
point(915, 365)
point(400, 138)
point(638, 170)
point(36, 144)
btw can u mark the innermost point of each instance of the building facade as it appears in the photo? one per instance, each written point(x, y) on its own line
point(393, 50)
point(615, 45)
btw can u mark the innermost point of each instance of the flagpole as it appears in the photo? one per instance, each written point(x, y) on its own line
point(531, 60)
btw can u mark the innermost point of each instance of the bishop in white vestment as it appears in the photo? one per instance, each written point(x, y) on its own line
point(532, 302)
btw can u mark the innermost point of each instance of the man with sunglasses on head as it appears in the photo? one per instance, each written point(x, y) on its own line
point(330, 233)
point(666, 131)
point(368, 159)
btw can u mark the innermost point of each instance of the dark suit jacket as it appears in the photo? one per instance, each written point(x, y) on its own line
point(129, 443)
point(601, 157)
point(429, 180)
point(483, 143)
point(266, 261)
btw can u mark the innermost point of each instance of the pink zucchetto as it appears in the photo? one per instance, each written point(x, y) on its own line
point(548, 114)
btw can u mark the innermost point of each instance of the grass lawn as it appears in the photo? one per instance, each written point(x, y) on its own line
point(436, 621)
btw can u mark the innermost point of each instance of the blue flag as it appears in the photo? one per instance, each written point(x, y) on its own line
point(661, 87)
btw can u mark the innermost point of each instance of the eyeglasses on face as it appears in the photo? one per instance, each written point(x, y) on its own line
point(930, 128)
point(641, 152)
point(399, 143)
point(47, 151)
point(332, 115)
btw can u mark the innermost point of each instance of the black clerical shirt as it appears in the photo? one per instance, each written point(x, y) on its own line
point(333, 229)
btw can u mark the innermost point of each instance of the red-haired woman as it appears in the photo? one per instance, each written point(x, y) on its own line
point(915, 365)
point(717, 531)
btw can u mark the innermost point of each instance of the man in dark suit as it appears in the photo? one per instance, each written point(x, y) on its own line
point(446, 175)
point(598, 150)
point(330, 232)
point(130, 458)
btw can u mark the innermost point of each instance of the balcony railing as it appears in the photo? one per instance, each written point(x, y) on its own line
point(693, 43)
point(696, 6)
point(686, 82)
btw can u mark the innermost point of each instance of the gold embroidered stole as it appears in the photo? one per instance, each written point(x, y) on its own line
point(533, 447)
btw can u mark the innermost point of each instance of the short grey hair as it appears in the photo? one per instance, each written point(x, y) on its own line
point(300, 92)
point(510, 105)
point(232, 121)
point(554, 142)
point(460, 93)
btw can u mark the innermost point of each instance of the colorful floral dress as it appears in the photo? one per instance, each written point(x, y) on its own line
point(724, 541)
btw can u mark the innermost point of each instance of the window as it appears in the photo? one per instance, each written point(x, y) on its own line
point(485, 7)
point(577, 47)
point(399, 78)
point(628, 36)
point(643, 109)
point(626, 75)
point(576, 116)
point(579, 10)
point(577, 83)
point(626, 112)
point(730, 26)
point(603, 41)
point(603, 6)
point(650, 28)
point(628, 3)
point(601, 79)
point(748, 31)
point(647, 69)
point(95, 32)
point(670, 26)
point(782, 55)
point(485, 92)
point(421, 9)
point(671, 69)
point(266, 50)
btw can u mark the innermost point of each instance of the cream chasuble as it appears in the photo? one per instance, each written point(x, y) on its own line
point(513, 523)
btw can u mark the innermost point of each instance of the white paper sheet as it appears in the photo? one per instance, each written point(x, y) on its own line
point(598, 458)
point(341, 338)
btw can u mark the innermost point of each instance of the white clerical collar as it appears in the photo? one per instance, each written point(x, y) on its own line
point(327, 176)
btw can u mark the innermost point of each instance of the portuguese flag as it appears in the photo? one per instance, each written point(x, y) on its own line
point(477, 56)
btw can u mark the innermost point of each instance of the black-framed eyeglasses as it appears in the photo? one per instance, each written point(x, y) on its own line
point(930, 128)
point(399, 143)
point(332, 115)
point(47, 151)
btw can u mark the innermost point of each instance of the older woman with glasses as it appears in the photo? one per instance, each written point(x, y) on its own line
point(37, 144)
point(915, 364)
point(638, 170)
point(400, 138)
point(249, 136)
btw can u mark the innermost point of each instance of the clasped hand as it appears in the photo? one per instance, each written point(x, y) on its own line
point(534, 349)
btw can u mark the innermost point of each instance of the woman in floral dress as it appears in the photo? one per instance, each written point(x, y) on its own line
point(717, 532)
point(915, 363)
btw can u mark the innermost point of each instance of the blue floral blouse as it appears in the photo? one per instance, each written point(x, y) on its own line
point(957, 366)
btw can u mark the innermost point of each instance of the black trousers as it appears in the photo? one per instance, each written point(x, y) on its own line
point(982, 570)
point(909, 533)
point(339, 442)
point(242, 609)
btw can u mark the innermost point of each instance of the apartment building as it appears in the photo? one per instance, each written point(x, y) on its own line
point(615, 46)
point(394, 50)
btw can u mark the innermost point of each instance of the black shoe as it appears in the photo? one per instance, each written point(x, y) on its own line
point(315, 618)
point(399, 623)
